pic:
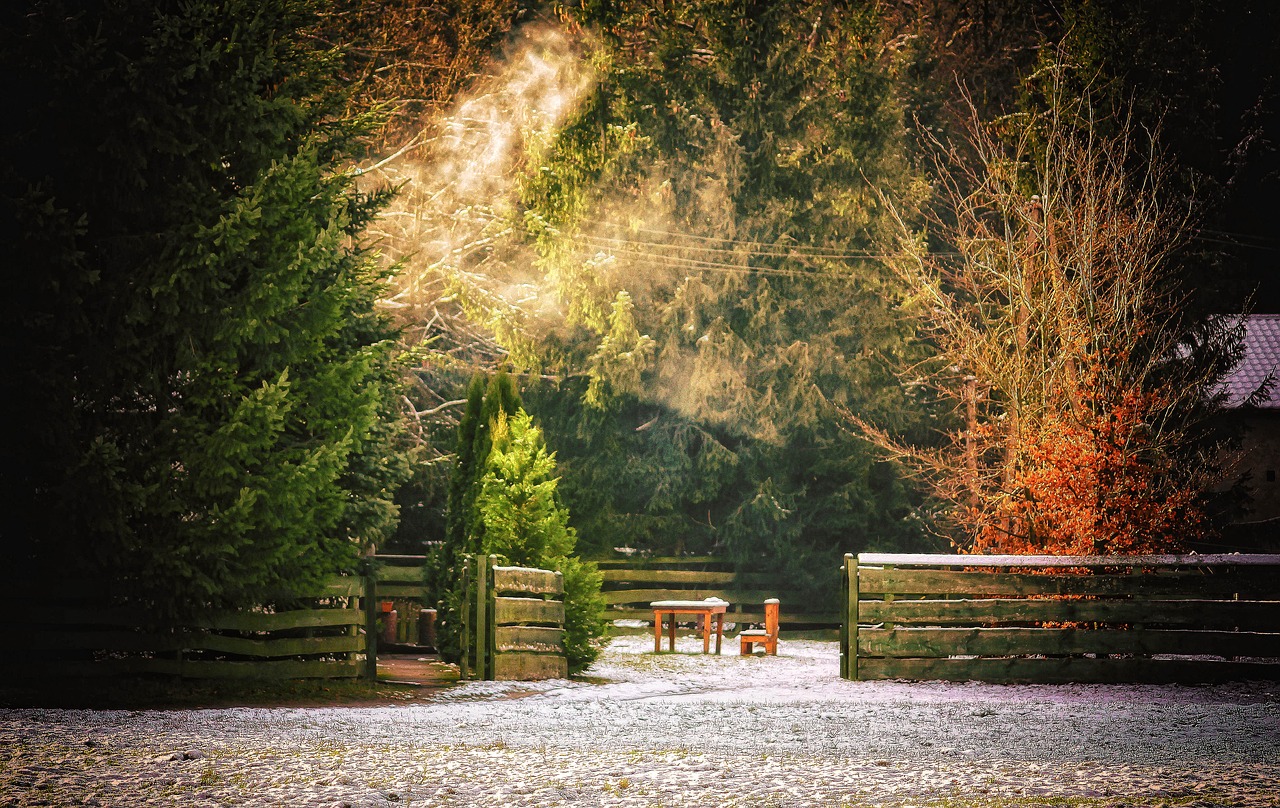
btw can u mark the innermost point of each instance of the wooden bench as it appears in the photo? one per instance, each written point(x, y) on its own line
point(767, 636)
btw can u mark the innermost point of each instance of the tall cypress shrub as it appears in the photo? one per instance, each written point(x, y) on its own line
point(485, 401)
point(522, 520)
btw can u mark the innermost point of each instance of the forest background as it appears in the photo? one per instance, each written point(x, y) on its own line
point(681, 235)
point(234, 228)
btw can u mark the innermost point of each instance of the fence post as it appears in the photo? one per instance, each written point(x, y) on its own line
point(370, 625)
point(491, 612)
point(483, 670)
point(850, 659)
point(465, 617)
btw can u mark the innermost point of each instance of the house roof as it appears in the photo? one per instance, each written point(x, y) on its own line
point(1261, 359)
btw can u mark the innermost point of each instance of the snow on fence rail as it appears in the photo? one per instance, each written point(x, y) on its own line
point(631, 585)
point(1061, 619)
point(84, 632)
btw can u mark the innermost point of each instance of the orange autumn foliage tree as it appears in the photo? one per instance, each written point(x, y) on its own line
point(1089, 486)
point(1079, 393)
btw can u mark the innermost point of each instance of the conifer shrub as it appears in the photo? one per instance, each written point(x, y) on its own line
point(504, 502)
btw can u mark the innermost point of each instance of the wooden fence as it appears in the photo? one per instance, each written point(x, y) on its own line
point(401, 582)
point(631, 585)
point(1055, 619)
point(69, 628)
point(514, 629)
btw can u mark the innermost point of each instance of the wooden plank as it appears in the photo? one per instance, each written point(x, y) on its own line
point(940, 642)
point(232, 621)
point(526, 667)
point(849, 625)
point(536, 639)
point(660, 561)
point(943, 560)
point(526, 580)
point(1247, 582)
point(347, 586)
point(529, 610)
point(612, 577)
point(72, 641)
point(484, 645)
point(370, 610)
point(661, 576)
point(744, 596)
point(189, 669)
point(1205, 614)
point(400, 575)
point(1061, 671)
point(275, 621)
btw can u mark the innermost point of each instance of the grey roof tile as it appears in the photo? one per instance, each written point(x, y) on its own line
point(1261, 359)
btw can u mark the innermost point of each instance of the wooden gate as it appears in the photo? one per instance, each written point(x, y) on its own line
point(514, 626)
point(1061, 619)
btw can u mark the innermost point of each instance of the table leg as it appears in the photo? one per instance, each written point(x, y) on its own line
point(706, 633)
point(671, 633)
point(719, 631)
point(657, 631)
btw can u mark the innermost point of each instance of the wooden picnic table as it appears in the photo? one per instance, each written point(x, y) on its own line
point(705, 609)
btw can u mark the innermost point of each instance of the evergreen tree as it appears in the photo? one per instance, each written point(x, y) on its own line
point(525, 524)
point(709, 223)
point(503, 501)
point(486, 403)
point(205, 394)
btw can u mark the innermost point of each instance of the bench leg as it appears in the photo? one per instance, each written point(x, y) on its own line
point(657, 632)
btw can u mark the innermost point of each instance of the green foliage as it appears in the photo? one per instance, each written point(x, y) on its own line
point(525, 524)
point(516, 503)
point(486, 401)
point(504, 502)
point(709, 221)
point(205, 392)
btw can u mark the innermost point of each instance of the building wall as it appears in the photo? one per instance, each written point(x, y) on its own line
point(1260, 456)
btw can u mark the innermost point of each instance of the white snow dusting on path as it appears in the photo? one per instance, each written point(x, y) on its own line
point(674, 730)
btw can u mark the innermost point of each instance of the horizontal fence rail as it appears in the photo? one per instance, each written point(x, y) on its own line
point(80, 634)
point(1061, 619)
point(631, 585)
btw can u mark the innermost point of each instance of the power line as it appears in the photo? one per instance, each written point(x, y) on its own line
point(783, 250)
point(781, 253)
point(679, 262)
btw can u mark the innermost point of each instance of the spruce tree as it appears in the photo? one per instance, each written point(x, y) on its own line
point(711, 220)
point(204, 391)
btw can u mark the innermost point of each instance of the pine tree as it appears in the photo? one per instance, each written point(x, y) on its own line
point(205, 393)
point(709, 220)
point(504, 502)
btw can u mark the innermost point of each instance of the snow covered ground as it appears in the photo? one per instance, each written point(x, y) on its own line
point(674, 730)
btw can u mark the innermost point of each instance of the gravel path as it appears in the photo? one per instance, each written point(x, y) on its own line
point(673, 730)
